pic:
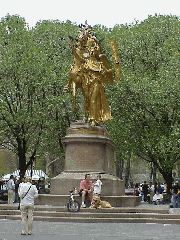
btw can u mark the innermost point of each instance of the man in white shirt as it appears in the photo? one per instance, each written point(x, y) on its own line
point(11, 190)
point(157, 198)
point(27, 193)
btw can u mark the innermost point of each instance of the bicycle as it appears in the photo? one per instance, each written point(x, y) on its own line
point(73, 205)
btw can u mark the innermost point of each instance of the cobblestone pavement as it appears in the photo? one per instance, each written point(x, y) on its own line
point(11, 229)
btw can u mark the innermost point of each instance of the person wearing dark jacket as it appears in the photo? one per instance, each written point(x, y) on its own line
point(16, 199)
point(145, 190)
point(176, 195)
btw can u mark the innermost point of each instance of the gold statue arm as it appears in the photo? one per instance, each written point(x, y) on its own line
point(110, 70)
point(106, 64)
point(115, 54)
point(114, 68)
point(74, 93)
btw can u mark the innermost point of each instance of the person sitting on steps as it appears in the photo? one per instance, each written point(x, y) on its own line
point(97, 186)
point(86, 189)
point(157, 198)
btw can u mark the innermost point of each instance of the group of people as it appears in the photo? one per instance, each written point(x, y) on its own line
point(27, 192)
point(90, 189)
point(150, 193)
point(154, 193)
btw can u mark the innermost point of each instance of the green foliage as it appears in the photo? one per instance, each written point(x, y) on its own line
point(52, 38)
point(146, 104)
point(8, 162)
point(34, 66)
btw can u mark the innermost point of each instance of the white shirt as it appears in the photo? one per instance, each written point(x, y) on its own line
point(20, 185)
point(97, 186)
point(157, 197)
point(32, 193)
point(11, 185)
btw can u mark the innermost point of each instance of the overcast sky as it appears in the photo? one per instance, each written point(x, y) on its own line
point(104, 12)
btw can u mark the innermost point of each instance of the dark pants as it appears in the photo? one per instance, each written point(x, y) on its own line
point(176, 200)
point(157, 203)
point(16, 198)
point(145, 197)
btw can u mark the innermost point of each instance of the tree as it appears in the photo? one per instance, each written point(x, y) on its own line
point(32, 76)
point(147, 100)
point(52, 37)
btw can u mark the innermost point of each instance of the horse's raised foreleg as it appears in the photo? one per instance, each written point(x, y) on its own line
point(74, 93)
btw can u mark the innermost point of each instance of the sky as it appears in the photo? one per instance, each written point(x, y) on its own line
point(104, 12)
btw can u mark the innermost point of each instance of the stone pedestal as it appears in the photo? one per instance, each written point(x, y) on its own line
point(88, 149)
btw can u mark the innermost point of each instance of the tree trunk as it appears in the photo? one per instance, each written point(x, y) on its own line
point(178, 166)
point(22, 163)
point(153, 173)
point(22, 158)
point(167, 175)
point(127, 172)
point(168, 179)
point(119, 168)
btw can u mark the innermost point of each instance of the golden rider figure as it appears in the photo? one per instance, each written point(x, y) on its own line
point(90, 72)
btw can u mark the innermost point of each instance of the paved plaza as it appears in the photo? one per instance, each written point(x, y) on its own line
point(11, 229)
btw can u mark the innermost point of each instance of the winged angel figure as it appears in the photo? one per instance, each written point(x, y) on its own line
point(91, 72)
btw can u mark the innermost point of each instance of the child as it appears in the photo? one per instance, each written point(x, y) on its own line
point(97, 187)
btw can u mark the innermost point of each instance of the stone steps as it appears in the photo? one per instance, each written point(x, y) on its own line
point(118, 215)
point(61, 200)
point(99, 220)
point(102, 210)
point(92, 215)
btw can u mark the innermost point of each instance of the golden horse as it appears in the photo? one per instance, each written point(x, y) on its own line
point(90, 72)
